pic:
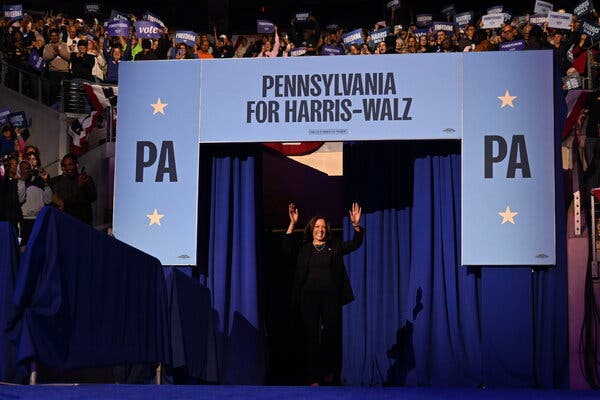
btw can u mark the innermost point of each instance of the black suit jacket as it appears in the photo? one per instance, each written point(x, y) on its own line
point(338, 269)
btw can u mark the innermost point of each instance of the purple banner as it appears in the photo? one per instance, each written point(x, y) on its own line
point(118, 27)
point(513, 45)
point(263, 26)
point(36, 62)
point(331, 51)
point(187, 37)
point(147, 30)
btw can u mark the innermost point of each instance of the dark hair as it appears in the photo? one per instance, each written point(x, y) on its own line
point(308, 230)
point(71, 156)
point(146, 44)
point(37, 157)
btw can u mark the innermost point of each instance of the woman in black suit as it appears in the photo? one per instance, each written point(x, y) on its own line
point(321, 287)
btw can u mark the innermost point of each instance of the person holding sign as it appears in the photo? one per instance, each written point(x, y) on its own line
point(270, 49)
point(320, 288)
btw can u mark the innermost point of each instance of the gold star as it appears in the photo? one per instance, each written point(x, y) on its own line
point(508, 216)
point(507, 99)
point(159, 107)
point(154, 218)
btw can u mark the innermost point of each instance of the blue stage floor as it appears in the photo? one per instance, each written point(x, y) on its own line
point(144, 392)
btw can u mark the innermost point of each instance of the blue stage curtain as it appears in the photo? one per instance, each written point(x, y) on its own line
point(232, 265)
point(421, 318)
point(9, 266)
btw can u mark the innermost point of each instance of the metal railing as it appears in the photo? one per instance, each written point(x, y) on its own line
point(29, 84)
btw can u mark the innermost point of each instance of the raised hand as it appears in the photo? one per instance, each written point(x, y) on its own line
point(293, 213)
point(355, 214)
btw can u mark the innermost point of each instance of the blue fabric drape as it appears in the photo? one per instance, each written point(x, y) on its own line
point(9, 266)
point(86, 300)
point(421, 318)
point(233, 264)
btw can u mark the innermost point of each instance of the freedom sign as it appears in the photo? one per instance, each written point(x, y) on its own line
point(513, 45)
point(443, 26)
point(263, 26)
point(187, 37)
point(542, 7)
point(424, 20)
point(148, 16)
point(331, 51)
point(118, 27)
point(492, 21)
point(559, 20)
point(354, 37)
point(13, 12)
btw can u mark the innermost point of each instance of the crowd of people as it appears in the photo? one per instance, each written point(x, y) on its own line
point(82, 48)
point(26, 187)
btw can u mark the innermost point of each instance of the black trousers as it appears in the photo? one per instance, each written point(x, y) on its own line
point(322, 325)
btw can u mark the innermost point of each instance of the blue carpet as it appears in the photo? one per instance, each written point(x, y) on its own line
point(144, 392)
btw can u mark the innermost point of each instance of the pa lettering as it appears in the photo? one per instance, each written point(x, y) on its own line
point(146, 157)
point(495, 151)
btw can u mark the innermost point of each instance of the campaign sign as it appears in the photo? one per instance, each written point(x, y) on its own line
point(583, 8)
point(118, 15)
point(331, 51)
point(448, 10)
point(263, 26)
point(187, 37)
point(538, 19)
point(330, 99)
point(394, 4)
point(332, 27)
point(148, 16)
point(36, 62)
point(508, 199)
point(354, 37)
point(590, 29)
point(559, 20)
point(492, 21)
point(157, 157)
point(542, 7)
point(92, 8)
point(420, 32)
point(18, 120)
point(118, 27)
point(378, 36)
point(443, 26)
point(513, 45)
point(464, 19)
point(495, 9)
point(147, 30)
point(571, 82)
point(424, 20)
point(302, 16)
point(13, 12)
point(4, 116)
point(298, 51)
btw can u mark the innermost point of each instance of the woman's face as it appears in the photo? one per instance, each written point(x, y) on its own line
point(423, 40)
point(320, 230)
point(32, 160)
